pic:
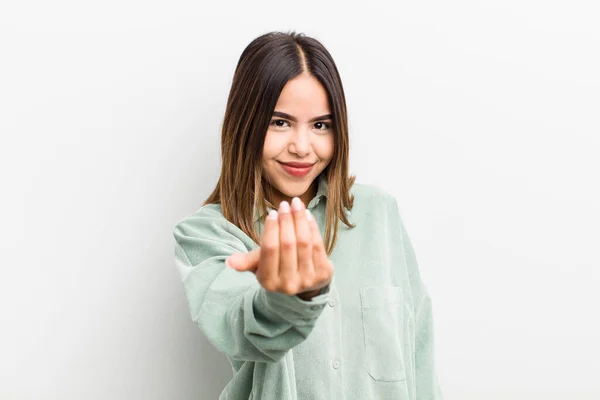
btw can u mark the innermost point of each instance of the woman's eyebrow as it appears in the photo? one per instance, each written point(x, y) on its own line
point(292, 118)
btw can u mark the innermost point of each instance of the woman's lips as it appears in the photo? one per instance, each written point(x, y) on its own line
point(295, 170)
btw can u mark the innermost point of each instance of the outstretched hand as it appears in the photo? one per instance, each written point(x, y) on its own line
point(291, 258)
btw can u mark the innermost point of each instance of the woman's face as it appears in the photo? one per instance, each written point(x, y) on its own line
point(300, 134)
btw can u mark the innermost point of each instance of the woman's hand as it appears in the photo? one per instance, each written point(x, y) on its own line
point(291, 258)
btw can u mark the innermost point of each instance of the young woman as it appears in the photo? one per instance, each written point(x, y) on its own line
point(306, 281)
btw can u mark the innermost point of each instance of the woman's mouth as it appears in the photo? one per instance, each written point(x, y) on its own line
point(296, 169)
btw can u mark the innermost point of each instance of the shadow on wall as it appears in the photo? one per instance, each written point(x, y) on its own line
point(198, 364)
point(214, 370)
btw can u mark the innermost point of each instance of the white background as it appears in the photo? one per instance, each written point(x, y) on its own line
point(481, 117)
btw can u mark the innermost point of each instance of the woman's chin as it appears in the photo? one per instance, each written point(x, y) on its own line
point(294, 192)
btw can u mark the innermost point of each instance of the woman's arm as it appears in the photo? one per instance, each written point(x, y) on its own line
point(427, 386)
point(238, 316)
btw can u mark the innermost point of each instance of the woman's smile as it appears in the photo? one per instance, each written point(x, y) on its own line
point(297, 169)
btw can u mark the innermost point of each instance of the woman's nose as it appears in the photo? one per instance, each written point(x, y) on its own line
point(300, 143)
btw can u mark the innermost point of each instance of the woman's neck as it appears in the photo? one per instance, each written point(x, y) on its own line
point(278, 197)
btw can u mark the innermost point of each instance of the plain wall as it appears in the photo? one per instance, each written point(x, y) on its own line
point(481, 117)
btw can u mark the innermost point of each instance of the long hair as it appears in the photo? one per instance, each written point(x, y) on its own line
point(264, 68)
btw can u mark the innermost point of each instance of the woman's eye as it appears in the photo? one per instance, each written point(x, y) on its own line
point(276, 122)
point(322, 126)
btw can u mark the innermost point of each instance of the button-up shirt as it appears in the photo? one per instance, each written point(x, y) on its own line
point(368, 335)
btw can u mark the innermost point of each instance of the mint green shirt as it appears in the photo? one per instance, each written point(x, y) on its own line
point(368, 335)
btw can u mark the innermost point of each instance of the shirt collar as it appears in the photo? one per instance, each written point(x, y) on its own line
point(321, 192)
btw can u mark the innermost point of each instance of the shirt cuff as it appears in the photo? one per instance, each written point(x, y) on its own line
point(282, 307)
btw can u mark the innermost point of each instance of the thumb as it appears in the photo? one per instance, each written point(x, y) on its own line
point(244, 261)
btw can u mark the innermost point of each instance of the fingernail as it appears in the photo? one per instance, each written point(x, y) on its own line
point(309, 215)
point(273, 215)
point(296, 204)
point(284, 207)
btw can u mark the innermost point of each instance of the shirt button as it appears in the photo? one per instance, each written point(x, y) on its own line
point(332, 303)
point(336, 364)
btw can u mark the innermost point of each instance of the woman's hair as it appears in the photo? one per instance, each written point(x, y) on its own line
point(263, 69)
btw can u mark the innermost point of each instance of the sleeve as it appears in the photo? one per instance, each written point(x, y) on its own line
point(237, 315)
point(427, 385)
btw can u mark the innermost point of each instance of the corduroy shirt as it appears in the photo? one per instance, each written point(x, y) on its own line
point(368, 335)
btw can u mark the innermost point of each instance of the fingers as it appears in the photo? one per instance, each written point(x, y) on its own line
point(288, 264)
point(303, 243)
point(317, 240)
point(244, 261)
point(268, 270)
point(291, 258)
point(323, 267)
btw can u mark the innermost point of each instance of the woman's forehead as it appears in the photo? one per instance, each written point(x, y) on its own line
point(303, 100)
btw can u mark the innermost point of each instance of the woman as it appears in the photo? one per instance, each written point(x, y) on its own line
point(343, 315)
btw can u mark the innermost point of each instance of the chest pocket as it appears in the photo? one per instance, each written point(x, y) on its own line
point(383, 322)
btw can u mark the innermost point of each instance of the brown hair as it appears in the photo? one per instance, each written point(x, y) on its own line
point(263, 69)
